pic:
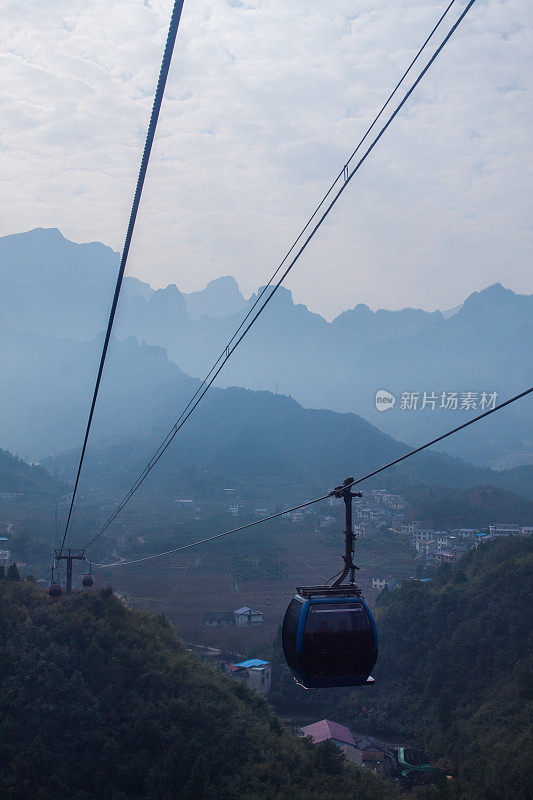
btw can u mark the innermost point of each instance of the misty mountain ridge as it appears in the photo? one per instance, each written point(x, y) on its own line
point(53, 286)
point(237, 434)
point(43, 259)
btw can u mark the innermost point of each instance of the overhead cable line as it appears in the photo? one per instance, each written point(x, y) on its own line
point(344, 178)
point(158, 98)
point(216, 536)
point(326, 496)
point(224, 354)
point(445, 435)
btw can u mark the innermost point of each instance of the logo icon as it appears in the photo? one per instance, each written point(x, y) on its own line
point(384, 400)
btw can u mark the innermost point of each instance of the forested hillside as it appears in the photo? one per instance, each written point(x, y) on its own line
point(101, 703)
point(244, 437)
point(454, 671)
point(235, 432)
point(17, 477)
point(457, 662)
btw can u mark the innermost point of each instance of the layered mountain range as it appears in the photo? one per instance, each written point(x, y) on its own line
point(54, 304)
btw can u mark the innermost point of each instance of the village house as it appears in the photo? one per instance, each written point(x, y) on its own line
point(464, 533)
point(380, 583)
point(457, 546)
point(409, 527)
point(372, 752)
point(369, 514)
point(397, 521)
point(218, 619)
point(440, 557)
point(508, 529)
point(396, 502)
point(424, 548)
point(255, 673)
point(247, 616)
point(422, 535)
point(327, 731)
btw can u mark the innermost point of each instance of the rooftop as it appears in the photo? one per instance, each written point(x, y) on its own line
point(325, 729)
point(252, 662)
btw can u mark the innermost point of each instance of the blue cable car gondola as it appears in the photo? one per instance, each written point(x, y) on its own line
point(329, 636)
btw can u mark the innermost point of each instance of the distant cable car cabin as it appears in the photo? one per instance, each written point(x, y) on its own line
point(88, 580)
point(54, 590)
point(329, 636)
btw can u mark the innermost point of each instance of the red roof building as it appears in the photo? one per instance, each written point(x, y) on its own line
point(325, 730)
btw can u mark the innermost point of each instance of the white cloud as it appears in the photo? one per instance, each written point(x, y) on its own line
point(264, 102)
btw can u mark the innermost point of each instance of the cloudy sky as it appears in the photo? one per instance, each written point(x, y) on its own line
point(265, 101)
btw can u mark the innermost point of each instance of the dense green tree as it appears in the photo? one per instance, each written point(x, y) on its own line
point(98, 702)
point(329, 758)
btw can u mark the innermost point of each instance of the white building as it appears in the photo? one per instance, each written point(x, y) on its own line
point(425, 546)
point(420, 535)
point(464, 533)
point(368, 514)
point(409, 527)
point(505, 529)
point(247, 616)
point(255, 673)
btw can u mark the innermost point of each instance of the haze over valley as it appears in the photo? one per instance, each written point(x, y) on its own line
point(51, 314)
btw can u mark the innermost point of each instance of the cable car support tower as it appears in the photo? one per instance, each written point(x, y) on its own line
point(69, 557)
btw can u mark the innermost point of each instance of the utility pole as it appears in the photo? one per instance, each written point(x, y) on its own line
point(345, 491)
point(72, 555)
